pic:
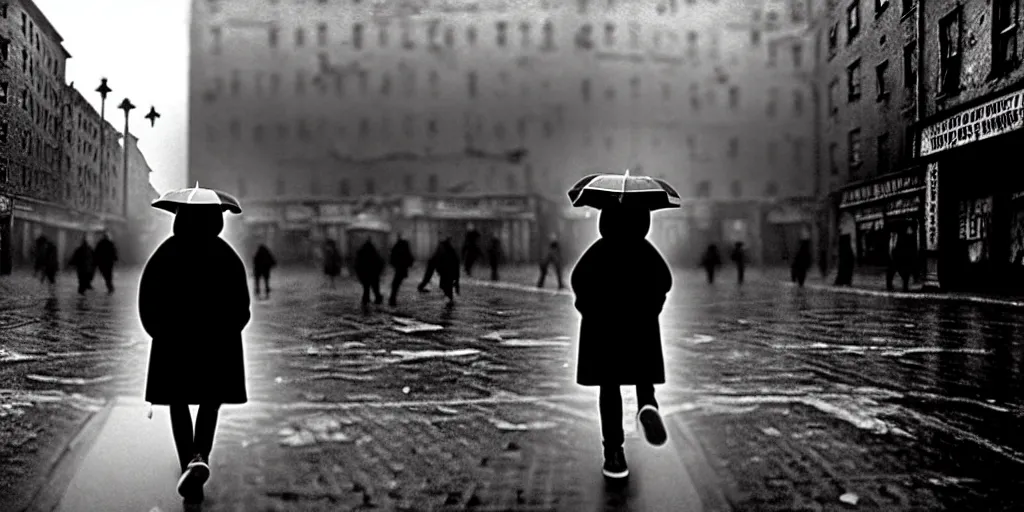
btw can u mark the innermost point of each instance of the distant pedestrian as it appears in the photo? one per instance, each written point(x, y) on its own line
point(844, 274)
point(84, 261)
point(621, 283)
point(428, 273)
point(262, 263)
point(471, 249)
point(194, 303)
point(369, 264)
point(711, 260)
point(106, 256)
point(332, 260)
point(552, 258)
point(903, 259)
point(39, 257)
point(401, 259)
point(802, 262)
point(51, 262)
point(494, 256)
point(739, 257)
point(446, 262)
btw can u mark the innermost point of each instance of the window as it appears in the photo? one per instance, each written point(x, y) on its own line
point(432, 127)
point(364, 127)
point(755, 37)
point(385, 84)
point(773, 101)
point(880, 82)
point(300, 37)
point(371, 186)
point(1004, 36)
point(734, 148)
point(549, 36)
point(3, 93)
point(609, 34)
point(949, 53)
point(585, 90)
point(734, 97)
point(364, 82)
point(852, 21)
point(471, 35)
point(432, 27)
point(300, 82)
point(501, 33)
point(833, 39)
point(853, 81)
point(694, 97)
point(215, 36)
point(382, 35)
point(432, 184)
point(275, 83)
point(585, 37)
point(833, 158)
point(910, 65)
point(3, 131)
point(704, 188)
point(5, 48)
point(881, 6)
point(883, 153)
point(854, 145)
point(798, 103)
point(773, 55)
point(434, 80)
point(691, 45)
point(736, 188)
point(472, 83)
point(524, 33)
point(3, 10)
point(907, 6)
point(407, 181)
point(321, 34)
point(357, 36)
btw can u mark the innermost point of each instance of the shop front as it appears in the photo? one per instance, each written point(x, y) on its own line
point(512, 219)
point(873, 214)
point(65, 228)
point(975, 238)
point(6, 225)
point(785, 224)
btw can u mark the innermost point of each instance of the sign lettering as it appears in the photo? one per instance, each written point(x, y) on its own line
point(881, 190)
point(996, 117)
point(931, 209)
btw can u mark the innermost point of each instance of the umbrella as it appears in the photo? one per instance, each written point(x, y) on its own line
point(195, 195)
point(603, 190)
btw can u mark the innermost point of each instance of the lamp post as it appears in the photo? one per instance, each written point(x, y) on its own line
point(153, 115)
point(104, 90)
point(127, 106)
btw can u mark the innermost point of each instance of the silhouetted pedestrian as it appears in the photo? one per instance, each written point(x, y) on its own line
point(844, 274)
point(106, 256)
point(428, 273)
point(902, 260)
point(471, 249)
point(401, 259)
point(262, 263)
point(739, 257)
point(621, 283)
point(552, 258)
point(51, 262)
point(711, 260)
point(39, 257)
point(332, 260)
point(447, 265)
point(83, 259)
point(369, 264)
point(802, 262)
point(194, 303)
point(494, 256)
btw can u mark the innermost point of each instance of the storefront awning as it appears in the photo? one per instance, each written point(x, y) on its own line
point(881, 188)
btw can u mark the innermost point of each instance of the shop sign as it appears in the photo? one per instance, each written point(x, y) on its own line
point(996, 117)
point(931, 208)
point(881, 190)
point(510, 204)
point(335, 213)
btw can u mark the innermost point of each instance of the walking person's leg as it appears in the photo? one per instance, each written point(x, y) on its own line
point(395, 283)
point(181, 428)
point(206, 427)
point(543, 274)
point(905, 275)
point(558, 274)
point(377, 297)
point(266, 283)
point(647, 417)
point(366, 293)
point(197, 471)
point(108, 278)
point(612, 436)
point(428, 274)
point(256, 285)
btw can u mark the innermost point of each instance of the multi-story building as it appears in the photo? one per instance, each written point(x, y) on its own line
point(972, 97)
point(309, 110)
point(98, 191)
point(868, 73)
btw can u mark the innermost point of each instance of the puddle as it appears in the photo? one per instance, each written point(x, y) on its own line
point(409, 326)
point(499, 335)
point(415, 355)
point(10, 356)
point(314, 430)
point(518, 427)
point(936, 350)
point(535, 343)
point(71, 381)
point(697, 339)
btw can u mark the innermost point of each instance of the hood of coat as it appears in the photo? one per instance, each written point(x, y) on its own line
point(203, 221)
point(624, 222)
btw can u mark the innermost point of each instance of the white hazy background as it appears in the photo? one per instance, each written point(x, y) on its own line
point(142, 48)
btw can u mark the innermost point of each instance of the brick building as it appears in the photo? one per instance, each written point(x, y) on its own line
point(868, 78)
point(305, 104)
point(970, 132)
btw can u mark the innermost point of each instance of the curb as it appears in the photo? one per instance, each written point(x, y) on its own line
point(63, 466)
point(910, 295)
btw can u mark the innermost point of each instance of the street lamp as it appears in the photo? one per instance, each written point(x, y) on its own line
point(153, 115)
point(127, 106)
point(104, 90)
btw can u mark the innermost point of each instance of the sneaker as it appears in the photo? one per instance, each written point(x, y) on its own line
point(190, 485)
point(615, 464)
point(649, 422)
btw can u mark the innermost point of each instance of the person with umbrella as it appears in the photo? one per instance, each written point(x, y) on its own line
point(553, 259)
point(83, 259)
point(401, 259)
point(194, 303)
point(262, 263)
point(368, 265)
point(106, 256)
point(620, 285)
point(332, 260)
point(711, 261)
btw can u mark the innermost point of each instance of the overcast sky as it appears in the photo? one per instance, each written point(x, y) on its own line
point(141, 47)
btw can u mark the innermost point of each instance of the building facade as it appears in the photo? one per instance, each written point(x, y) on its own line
point(973, 90)
point(301, 102)
point(869, 81)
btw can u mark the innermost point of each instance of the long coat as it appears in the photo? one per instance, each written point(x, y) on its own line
point(621, 283)
point(401, 258)
point(263, 261)
point(369, 263)
point(84, 260)
point(446, 261)
point(194, 303)
point(105, 254)
point(332, 260)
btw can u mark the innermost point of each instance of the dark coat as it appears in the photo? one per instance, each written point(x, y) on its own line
point(739, 256)
point(194, 303)
point(904, 255)
point(51, 262)
point(105, 254)
point(84, 261)
point(494, 251)
point(471, 247)
point(39, 249)
point(332, 260)
point(711, 259)
point(369, 263)
point(802, 261)
point(263, 261)
point(446, 261)
point(401, 257)
point(621, 283)
point(554, 255)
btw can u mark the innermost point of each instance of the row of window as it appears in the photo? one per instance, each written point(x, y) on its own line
point(882, 89)
point(853, 22)
point(854, 158)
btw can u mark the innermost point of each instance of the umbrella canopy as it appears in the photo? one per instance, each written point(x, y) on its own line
point(603, 190)
point(172, 200)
